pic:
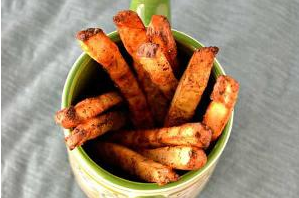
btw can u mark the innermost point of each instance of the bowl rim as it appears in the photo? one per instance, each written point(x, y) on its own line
point(99, 174)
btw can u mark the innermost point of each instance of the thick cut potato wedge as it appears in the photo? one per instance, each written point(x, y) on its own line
point(177, 157)
point(133, 33)
point(96, 44)
point(191, 87)
point(95, 127)
point(224, 97)
point(72, 116)
point(135, 164)
point(159, 32)
point(155, 63)
point(190, 134)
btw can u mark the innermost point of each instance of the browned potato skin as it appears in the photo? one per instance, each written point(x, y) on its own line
point(95, 127)
point(159, 32)
point(190, 134)
point(224, 97)
point(191, 87)
point(155, 63)
point(131, 30)
point(155, 98)
point(96, 44)
point(177, 157)
point(136, 164)
point(72, 116)
point(133, 33)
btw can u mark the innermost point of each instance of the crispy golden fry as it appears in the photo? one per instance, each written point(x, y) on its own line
point(131, 30)
point(72, 116)
point(224, 97)
point(96, 44)
point(133, 33)
point(136, 164)
point(155, 98)
point(155, 63)
point(177, 157)
point(190, 134)
point(95, 127)
point(191, 87)
point(159, 32)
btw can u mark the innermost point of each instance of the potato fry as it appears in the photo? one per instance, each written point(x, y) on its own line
point(96, 44)
point(190, 134)
point(155, 63)
point(131, 30)
point(159, 32)
point(95, 127)
point(191, 87)
point(177, 157)
point(72, 116)
point(135, 163)
point(155, 98)
point(133, 33)
point(224, 97)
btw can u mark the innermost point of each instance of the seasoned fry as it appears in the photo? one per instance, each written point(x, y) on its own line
point(72, 116)
point(95, 127)
point(159, 32)
point(191, 87)
point(136, 164)
point(224, 97)
point(155, 63)
point(96, 44)
point(190, 134)
point(131, 30)
point(177, 157)
point(155, 98)
point(133, 33)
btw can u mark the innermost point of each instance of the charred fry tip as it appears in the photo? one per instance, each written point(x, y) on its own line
point(228, 79)
point(122, 15)
point(205, 140)
point(200, 158)
point(59, 115)
point(74, 139)
point(147, 50)
point(84, 35)
point(213, 49)
point(220, 89)
point(128, 17)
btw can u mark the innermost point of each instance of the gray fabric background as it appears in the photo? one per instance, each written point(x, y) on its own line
point(258, 43)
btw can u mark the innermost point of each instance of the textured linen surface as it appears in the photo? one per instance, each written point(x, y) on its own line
point(258, 43)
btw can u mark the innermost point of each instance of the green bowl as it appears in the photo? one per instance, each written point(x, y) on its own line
point(77, 81)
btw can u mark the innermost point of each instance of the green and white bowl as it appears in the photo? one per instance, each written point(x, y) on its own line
point(94, 180)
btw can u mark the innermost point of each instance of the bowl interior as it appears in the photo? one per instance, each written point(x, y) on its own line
point(87, 79)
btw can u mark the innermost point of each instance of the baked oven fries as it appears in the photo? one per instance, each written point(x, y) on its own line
point(74, 115)
point(95, 127)
point(190, 134)
point(159, 134)
point(136, 164)
point(133, 34)
point(224, 97)
point(191, 87)
point(159, 32)
point(99, 46)
point(177, 157)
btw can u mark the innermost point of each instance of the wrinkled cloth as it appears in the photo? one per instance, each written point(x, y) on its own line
point(259, 46)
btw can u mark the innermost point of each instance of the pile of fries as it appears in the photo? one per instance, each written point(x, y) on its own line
point(160, 104)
